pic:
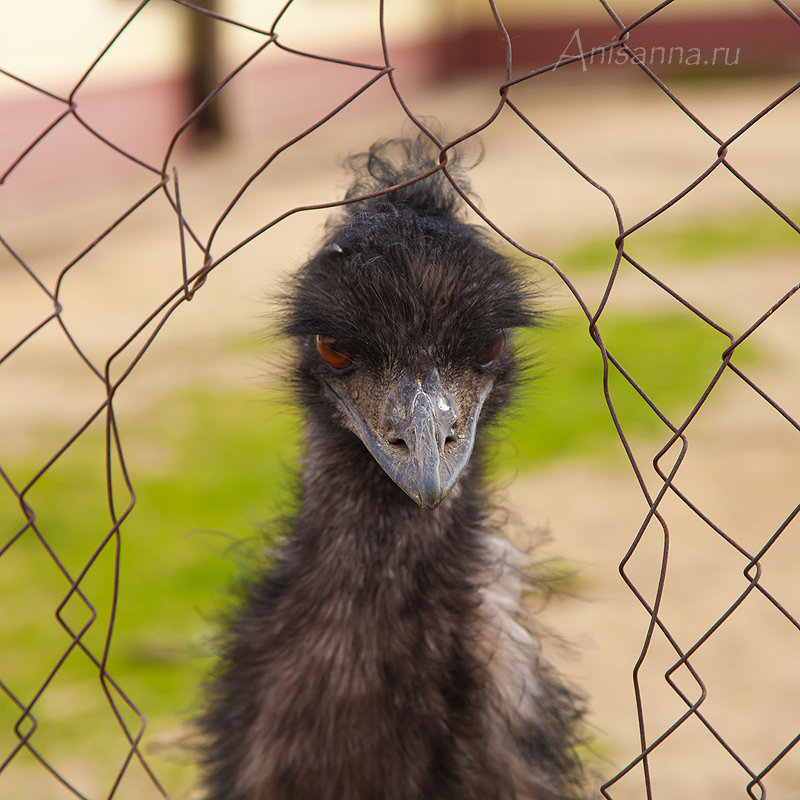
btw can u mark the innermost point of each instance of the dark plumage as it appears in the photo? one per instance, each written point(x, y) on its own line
point(386, 655)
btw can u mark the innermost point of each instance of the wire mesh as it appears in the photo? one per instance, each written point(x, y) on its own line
point(670, 656)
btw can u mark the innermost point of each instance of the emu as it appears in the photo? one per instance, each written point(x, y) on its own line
point(386, 654)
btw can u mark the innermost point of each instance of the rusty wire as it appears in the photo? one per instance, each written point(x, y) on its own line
point(195, 248)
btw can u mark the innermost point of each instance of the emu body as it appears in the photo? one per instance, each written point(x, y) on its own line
point(387, 655)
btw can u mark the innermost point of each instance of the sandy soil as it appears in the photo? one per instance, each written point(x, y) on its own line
point(740, 472)
point(743, 460)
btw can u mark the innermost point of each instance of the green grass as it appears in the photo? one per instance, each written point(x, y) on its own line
point(563, 414)
point(698, 242)
point(208, 469)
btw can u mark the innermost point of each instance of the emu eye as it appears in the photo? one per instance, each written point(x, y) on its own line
point(492, 349)
point(334, 352)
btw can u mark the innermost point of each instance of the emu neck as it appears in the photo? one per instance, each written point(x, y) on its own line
point(352, 510)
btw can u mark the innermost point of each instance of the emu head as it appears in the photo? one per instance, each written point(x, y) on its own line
point(404, 319)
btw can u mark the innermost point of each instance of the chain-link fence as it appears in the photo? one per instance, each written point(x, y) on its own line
point(710, 559)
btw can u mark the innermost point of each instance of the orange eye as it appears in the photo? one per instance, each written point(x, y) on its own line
point(491, 350)
point(334, 352)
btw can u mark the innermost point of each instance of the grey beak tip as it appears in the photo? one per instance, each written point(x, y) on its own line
point(429, 503)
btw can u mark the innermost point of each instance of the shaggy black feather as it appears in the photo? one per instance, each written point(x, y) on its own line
point(386, 654)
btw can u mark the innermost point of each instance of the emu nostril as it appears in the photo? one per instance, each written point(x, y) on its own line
point(398, 444)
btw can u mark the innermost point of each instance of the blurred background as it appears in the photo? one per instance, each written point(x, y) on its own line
point(202, 439)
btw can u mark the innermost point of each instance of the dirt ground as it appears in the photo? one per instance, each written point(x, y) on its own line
point(743, 460)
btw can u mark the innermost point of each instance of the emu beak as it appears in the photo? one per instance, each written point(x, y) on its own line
point(425, 440)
